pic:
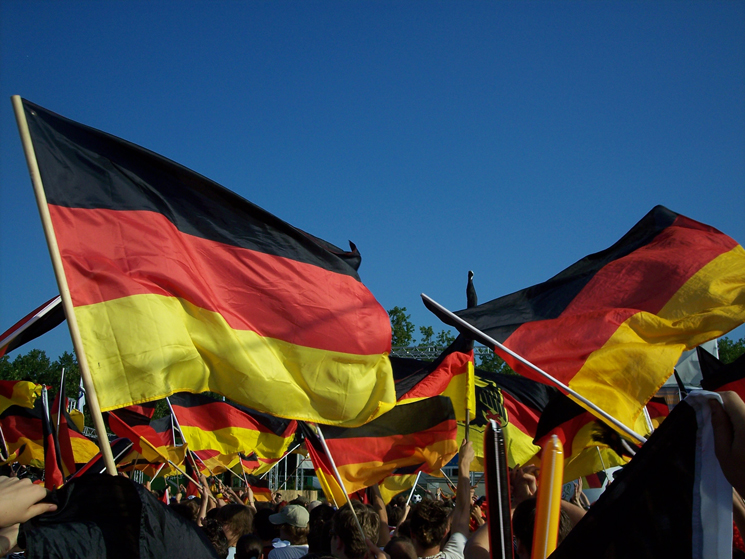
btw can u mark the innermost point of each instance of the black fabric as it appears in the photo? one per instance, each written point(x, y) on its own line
point(716, 374)
point(646, 513)
point(108, 517)
point(82, 167)
point(41, 326)
point(500, 317)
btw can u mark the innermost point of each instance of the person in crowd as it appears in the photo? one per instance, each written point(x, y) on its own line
point(319, 525)
point(430, 520)
point(249, 546)
point(400, 547)
point(212, 529)
point(728, 421)
point(293, 532)
point(20, 500)
point(236, 521)
point(346, 540)
point(264, 529)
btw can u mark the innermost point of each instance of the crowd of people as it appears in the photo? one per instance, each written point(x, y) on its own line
point(437, 527)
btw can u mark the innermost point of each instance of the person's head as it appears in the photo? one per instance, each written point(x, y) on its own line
point(299, 500)
point(188, 509)
point(430, 521)
point(237, 520)
point(212, 529)
point(319, 525)
point(523, 523)
point(293, 524)
point(346, 540)
point(400, 548)
point(396, 510)
point(249, 546)
point(263, 528)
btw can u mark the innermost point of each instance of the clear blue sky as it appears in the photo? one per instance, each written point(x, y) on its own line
point(511, 138)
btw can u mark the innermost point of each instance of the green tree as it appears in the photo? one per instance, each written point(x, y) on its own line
point(729, 350)
point(402, 329)
point(490, 361)
point(444, 338)
point(428, 334)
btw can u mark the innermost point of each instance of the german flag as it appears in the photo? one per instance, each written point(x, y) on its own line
point(75, 448)
point(613, 325)
point(589, 444)
point(24, 434)
point(323, 468)
point(721, 377)
point(451, 375)
point(37, 322)
point(213, 462)
point(181, 285)
point(260, 488)
point(516, 404)
point(53, 476)
point(420, 432)
point(21, 393)
point(402, 479)
point(209, 424)
point(154, 445)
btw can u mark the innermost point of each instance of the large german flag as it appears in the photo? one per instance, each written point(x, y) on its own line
point(209, 424)
point(181, 285)
point(422, 432)
point(451, 375)
point(613, 325)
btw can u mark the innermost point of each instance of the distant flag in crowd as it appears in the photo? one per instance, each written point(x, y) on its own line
point(37, 322)
point(181, 285)
point(323, 467)
point(154, 446)
point(419, 432)
point(21, 393)
point(613, 325)
point(59, 424)
point(53, 475)
point(451, 375)
point(213, 462)
point(260, 488)
point(209, 424)
point(81, 397)
point(720, 376)
point(670, 501)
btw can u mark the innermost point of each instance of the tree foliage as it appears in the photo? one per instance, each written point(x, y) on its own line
point(402, 329)
point(490, 361)
point(729, 350)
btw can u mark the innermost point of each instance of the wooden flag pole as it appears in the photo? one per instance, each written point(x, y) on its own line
point(339, 480)
point(600, 412)
point(59, 272)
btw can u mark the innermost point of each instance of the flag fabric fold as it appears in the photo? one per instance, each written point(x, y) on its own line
point(181, 285)
point(613, 325)
point(21, 393)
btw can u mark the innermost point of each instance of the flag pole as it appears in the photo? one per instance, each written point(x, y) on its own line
point(278, 462)
point(339, 480)
point(59, 272)
point(60, 398)
point(473, 330)
point(411, 493)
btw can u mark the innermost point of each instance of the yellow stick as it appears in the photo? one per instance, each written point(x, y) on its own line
point(548, 502)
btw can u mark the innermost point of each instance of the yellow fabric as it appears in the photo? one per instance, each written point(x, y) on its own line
point(461, 390)
point(146, 347)
point(393, 485)
point(231, 440)
point(635, 362)
point(585, 460)
point(24, 395)
point(78, 419)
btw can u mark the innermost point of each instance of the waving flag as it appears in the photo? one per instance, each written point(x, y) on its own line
point(422, 432)
point(613, 325)
point(720, 376)
point(154, 445)
point(21, 393)
point(37, 322)
point(451, 375)
point(181, 285)
point(209, 424)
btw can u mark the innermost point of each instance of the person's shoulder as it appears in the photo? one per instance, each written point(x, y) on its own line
point(453, 548)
